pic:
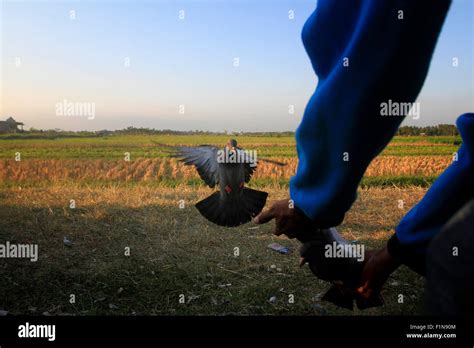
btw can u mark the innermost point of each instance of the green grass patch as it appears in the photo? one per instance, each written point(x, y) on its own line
point(142, 146)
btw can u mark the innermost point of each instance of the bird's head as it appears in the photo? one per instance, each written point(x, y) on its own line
point(232, 144)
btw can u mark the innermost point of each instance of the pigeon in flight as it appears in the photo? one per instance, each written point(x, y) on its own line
point(229, 168)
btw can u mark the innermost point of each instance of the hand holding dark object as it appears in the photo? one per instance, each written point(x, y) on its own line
point(377, 268)
point(289, 220)
point(343, 273)
point(347, 274)
point(345, 270)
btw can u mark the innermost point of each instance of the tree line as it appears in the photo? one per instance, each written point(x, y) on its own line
point(441, 129)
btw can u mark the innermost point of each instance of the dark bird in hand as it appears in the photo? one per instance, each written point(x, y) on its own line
point(230, 168)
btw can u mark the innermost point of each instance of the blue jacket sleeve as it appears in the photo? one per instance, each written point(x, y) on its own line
point(365, 53)
point(447, 195)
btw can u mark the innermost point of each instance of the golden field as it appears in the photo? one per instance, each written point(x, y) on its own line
point(169, 168)
point(174, 250)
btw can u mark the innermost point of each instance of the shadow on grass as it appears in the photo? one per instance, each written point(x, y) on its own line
point(178, 265)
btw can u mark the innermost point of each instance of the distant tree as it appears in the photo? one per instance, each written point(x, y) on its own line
point(441, 129)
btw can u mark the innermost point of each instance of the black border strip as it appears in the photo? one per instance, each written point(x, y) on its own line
point(228, 330)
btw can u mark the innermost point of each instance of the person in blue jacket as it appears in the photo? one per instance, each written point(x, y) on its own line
point(367, 53)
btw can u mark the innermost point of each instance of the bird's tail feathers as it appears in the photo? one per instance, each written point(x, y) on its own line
point(233, 212)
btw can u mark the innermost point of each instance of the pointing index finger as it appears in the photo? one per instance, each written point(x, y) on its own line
point(264, 217)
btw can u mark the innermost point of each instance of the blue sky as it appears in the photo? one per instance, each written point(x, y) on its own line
point(189, 62)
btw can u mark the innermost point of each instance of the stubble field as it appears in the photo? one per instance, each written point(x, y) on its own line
point(145, 206)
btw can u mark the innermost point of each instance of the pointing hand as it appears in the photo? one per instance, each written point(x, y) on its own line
point(289, 220)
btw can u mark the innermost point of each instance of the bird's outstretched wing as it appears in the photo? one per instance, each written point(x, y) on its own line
point(281, 164)
point(250, 162)
point(203, 157)
point(249, 171)
point(252, 165)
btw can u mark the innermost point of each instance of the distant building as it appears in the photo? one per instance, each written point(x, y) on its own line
point(10, 126)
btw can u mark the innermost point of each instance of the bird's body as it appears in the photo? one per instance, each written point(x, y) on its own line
point(229, 169)
point(231, 180)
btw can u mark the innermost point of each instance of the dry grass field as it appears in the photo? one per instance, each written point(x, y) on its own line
point(148, 169)
point(174, 251)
